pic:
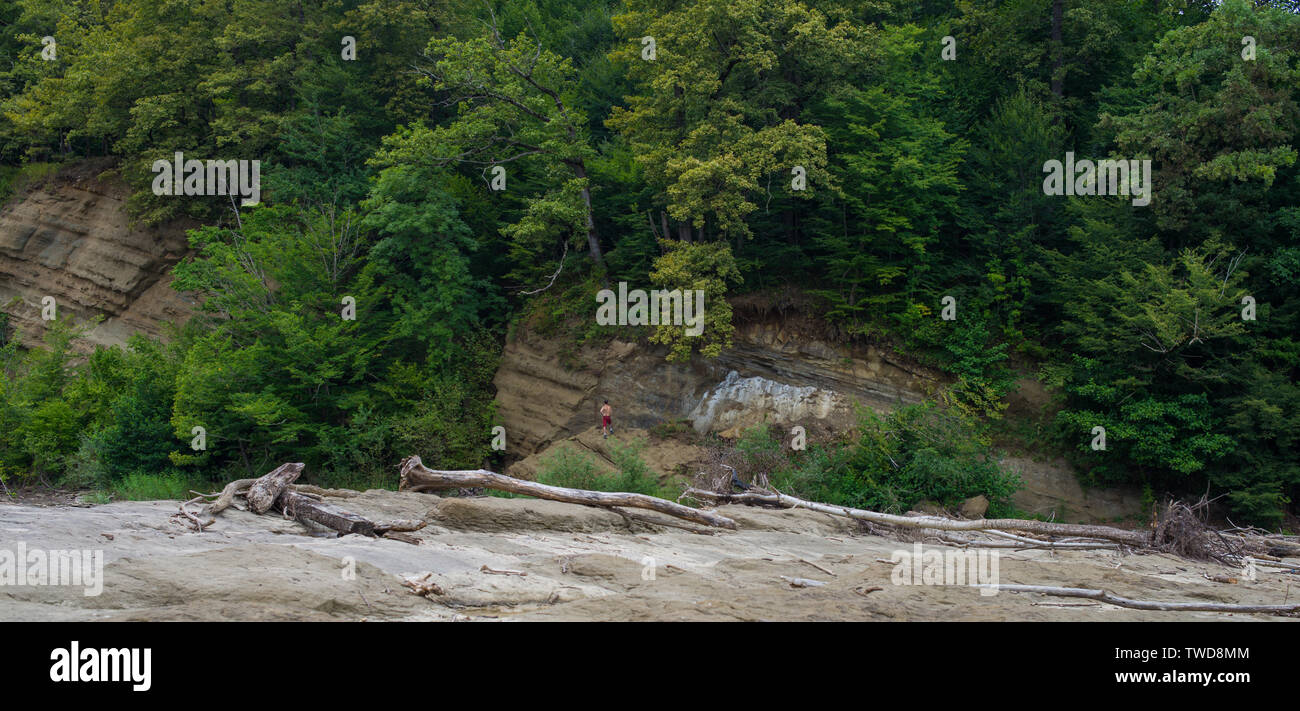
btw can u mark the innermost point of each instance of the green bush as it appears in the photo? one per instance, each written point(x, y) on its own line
point(634, 475)
point(915, 452)
point(566, 466)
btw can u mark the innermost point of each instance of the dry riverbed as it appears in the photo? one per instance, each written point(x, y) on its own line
point(578, 563)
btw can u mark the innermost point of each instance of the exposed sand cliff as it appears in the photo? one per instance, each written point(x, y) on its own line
point(70, 238)
point(768, 376)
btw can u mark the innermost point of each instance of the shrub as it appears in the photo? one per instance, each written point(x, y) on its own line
point(634, 475)
point(915, 452)
point(566, 466)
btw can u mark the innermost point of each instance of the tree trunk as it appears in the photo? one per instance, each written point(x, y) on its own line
point(304, 508)
point(417, 477)
point(262, 494)
point(593, 240)
point(1058, 51)
point(1140, 539)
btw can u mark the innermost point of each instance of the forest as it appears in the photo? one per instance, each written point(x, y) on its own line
point(455, 170)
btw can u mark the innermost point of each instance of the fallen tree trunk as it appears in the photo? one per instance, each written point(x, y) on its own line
point(417, 477)
point(262, 494)
point(241, 487)
point(1025, 544)
point(1133, 538)
point(303, 507)
point(1110, 599)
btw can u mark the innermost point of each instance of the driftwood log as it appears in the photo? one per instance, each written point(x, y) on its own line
point(1139, 539)
point(1111, 599)
point(303, 503)
point(1177, 530)
point(417, 477)
point(263, 493)
point(304, 508)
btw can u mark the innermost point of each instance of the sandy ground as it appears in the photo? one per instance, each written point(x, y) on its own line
point(580, 564)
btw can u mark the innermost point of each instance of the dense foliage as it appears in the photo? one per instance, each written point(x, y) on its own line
point(923, 166)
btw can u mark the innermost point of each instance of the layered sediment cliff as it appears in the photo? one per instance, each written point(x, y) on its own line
point(768, 376)
point(70, 238)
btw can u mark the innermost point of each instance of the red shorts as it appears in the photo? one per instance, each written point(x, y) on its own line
point(604, 421)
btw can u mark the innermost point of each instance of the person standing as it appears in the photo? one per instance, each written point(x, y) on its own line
point(606, 425)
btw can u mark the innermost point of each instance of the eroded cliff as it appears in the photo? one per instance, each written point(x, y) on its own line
point(768, 376)
point(70, 238)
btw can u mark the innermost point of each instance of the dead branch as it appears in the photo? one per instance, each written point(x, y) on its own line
point(400, 525)
point(1108, 598)
point(404, 538)
point(319, 491)
point(417, 477)
point(827, 571)
point(629, 517)
point(193, 520)
point(1133, 538)
point(226, 498)
point(1179, 529)
point(1035, 545)
point(494, 571)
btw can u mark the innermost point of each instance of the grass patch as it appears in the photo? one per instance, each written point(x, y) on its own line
point(568, 467)
point(96, 497)
point(138, 486)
